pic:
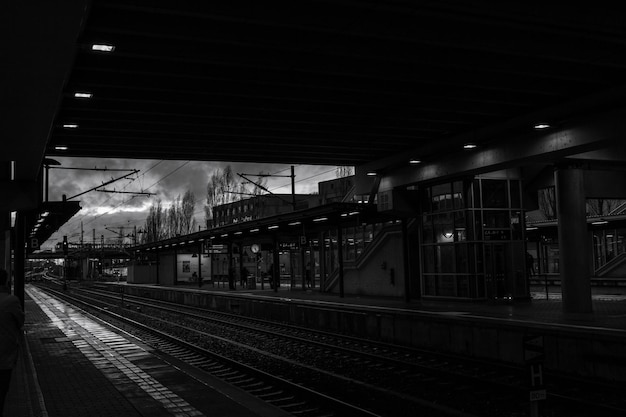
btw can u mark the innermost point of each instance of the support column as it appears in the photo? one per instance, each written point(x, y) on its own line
point(19, 257)
point(340, 256)
point(405, 260)
point(5, 222)
point(199, 264)
point(574, 259)
point(276, 262)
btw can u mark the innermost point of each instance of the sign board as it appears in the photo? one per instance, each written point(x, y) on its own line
point(538, 395)
point(288, 245)
point(497, 234)
point(533, 349)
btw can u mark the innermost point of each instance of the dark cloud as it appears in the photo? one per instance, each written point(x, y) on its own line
point(167, 180)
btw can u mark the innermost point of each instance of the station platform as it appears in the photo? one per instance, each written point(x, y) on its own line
point(73, 366)
point(544, 307)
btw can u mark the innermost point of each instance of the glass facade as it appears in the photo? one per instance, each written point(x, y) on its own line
point(472, 240)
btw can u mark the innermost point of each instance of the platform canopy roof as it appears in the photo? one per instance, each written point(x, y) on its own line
point(304, 82)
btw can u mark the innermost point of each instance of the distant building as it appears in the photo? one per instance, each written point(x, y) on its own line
point(337, 190)
point(258, 207)
point(271, 204)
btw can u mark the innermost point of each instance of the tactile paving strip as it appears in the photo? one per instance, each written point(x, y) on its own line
point(110, 352)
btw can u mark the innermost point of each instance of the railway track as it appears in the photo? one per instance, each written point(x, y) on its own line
point(382, 379)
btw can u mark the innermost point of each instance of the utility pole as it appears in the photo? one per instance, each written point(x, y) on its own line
point(293, 185)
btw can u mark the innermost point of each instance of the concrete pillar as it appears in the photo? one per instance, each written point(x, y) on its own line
point(574, 258)
point(5, 222)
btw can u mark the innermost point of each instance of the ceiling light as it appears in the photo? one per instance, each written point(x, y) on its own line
point(70, 126)
point(540, 126)
point(237, 233)
point(224, 235)
point(469, 146)
point(272, 227)
point(83, 95)
point(320, 219)
point(102, 47)
point(60, 148)
point(294, 223)
point(415, 161)
point(254, 230)
point(599, 222)
point(371, 173)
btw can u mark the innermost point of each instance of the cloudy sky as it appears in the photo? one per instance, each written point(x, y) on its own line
point(165, 179)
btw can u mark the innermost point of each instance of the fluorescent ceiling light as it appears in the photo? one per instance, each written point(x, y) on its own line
point(415, 161)
point(469, 146)
point(272, 227)
point(371, 173)
point(294, 223)
point(60, 148)
point(83, 95)
point(599, 222)
point(102, 47)
point(540, 126)
point(70, 126)
point(320, 219)
point(254, 230)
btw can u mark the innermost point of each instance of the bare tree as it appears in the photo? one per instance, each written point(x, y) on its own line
point(173, 219)
point(547, 202)
point(154, 226)
point(180, 220)
point(222, 188)
point(187, 208)
point(603, 207)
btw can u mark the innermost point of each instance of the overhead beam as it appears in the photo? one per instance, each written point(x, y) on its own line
point(593, 134)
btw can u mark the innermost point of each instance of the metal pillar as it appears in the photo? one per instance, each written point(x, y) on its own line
point(574, 259)
point(340, 258)
point(199, 264)
point(19, 257)
point(405, 260)
point(276, 260)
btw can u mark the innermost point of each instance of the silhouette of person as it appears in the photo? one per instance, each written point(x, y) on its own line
point(530, 264)
point(11, 322)
point(307, 274)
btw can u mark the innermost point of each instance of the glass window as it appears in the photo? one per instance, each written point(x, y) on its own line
point(429, 259)
point(458, 195)
point(443, 227)
point(496, 219)
point(428, 236)
point(430, 285)
point(445, 258)
point(441, 197)
point(463, 286)
point(460, 232)
point(462, 259)
point(495, 193)
point(426, 200)
point(476, 190)
point(515, 194)
point(446, 285)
